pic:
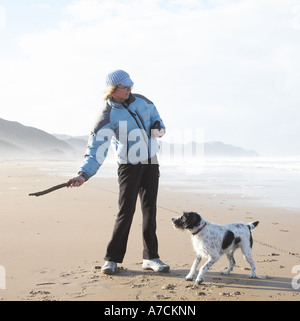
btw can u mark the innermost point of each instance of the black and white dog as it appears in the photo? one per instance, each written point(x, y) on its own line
point(212, 240)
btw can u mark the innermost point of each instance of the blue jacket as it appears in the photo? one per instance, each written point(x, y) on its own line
point(128, 127)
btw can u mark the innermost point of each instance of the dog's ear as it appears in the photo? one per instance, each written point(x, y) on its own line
point(200, 218)
point(192, 219)
point(197, 218)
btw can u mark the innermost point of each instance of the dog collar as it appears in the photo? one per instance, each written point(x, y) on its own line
point(200, 229)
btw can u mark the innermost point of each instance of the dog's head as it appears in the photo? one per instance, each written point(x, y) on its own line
point(187, 221)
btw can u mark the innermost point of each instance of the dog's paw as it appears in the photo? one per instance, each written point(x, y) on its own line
point(189, 278)
point(257, 277)
point(199, 281)
point(225, 272)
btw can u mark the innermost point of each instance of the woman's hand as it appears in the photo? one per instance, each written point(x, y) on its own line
point(76, 181)
point(158, 133)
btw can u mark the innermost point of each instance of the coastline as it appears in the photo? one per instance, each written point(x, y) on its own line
point(52, 245)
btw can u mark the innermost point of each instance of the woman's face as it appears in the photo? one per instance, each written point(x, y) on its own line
point(121, 93)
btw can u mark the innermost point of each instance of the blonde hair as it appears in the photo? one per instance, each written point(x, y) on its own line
point(108, 92)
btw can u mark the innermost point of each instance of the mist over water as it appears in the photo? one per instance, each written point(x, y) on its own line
point(264, 180)
point(271, 181)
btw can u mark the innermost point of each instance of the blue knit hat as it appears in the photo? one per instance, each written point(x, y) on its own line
point(118, 77)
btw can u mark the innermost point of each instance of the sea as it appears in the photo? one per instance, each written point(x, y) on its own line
point(265, 180)
point(270, 181)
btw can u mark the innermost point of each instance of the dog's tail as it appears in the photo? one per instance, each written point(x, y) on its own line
point(252, 225)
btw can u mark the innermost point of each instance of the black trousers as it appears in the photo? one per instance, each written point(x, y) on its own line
point(135, 179)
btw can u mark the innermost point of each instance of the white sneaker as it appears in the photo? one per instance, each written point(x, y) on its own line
point(156, 265)
point(109, 267)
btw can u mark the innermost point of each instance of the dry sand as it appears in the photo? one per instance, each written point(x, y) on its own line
point(52, 246)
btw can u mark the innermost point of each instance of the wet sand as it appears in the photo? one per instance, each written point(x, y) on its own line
point(52, 247)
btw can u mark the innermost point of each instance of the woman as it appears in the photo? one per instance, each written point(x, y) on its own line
point(132, 123)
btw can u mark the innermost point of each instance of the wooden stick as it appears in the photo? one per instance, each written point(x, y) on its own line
point(49, 190)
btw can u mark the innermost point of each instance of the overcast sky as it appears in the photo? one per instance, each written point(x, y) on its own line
point(230, 68)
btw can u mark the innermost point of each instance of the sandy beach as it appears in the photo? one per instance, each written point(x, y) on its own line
point(52, 247)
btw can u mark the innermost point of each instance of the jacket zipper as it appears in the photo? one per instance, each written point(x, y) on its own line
point(145, 139)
